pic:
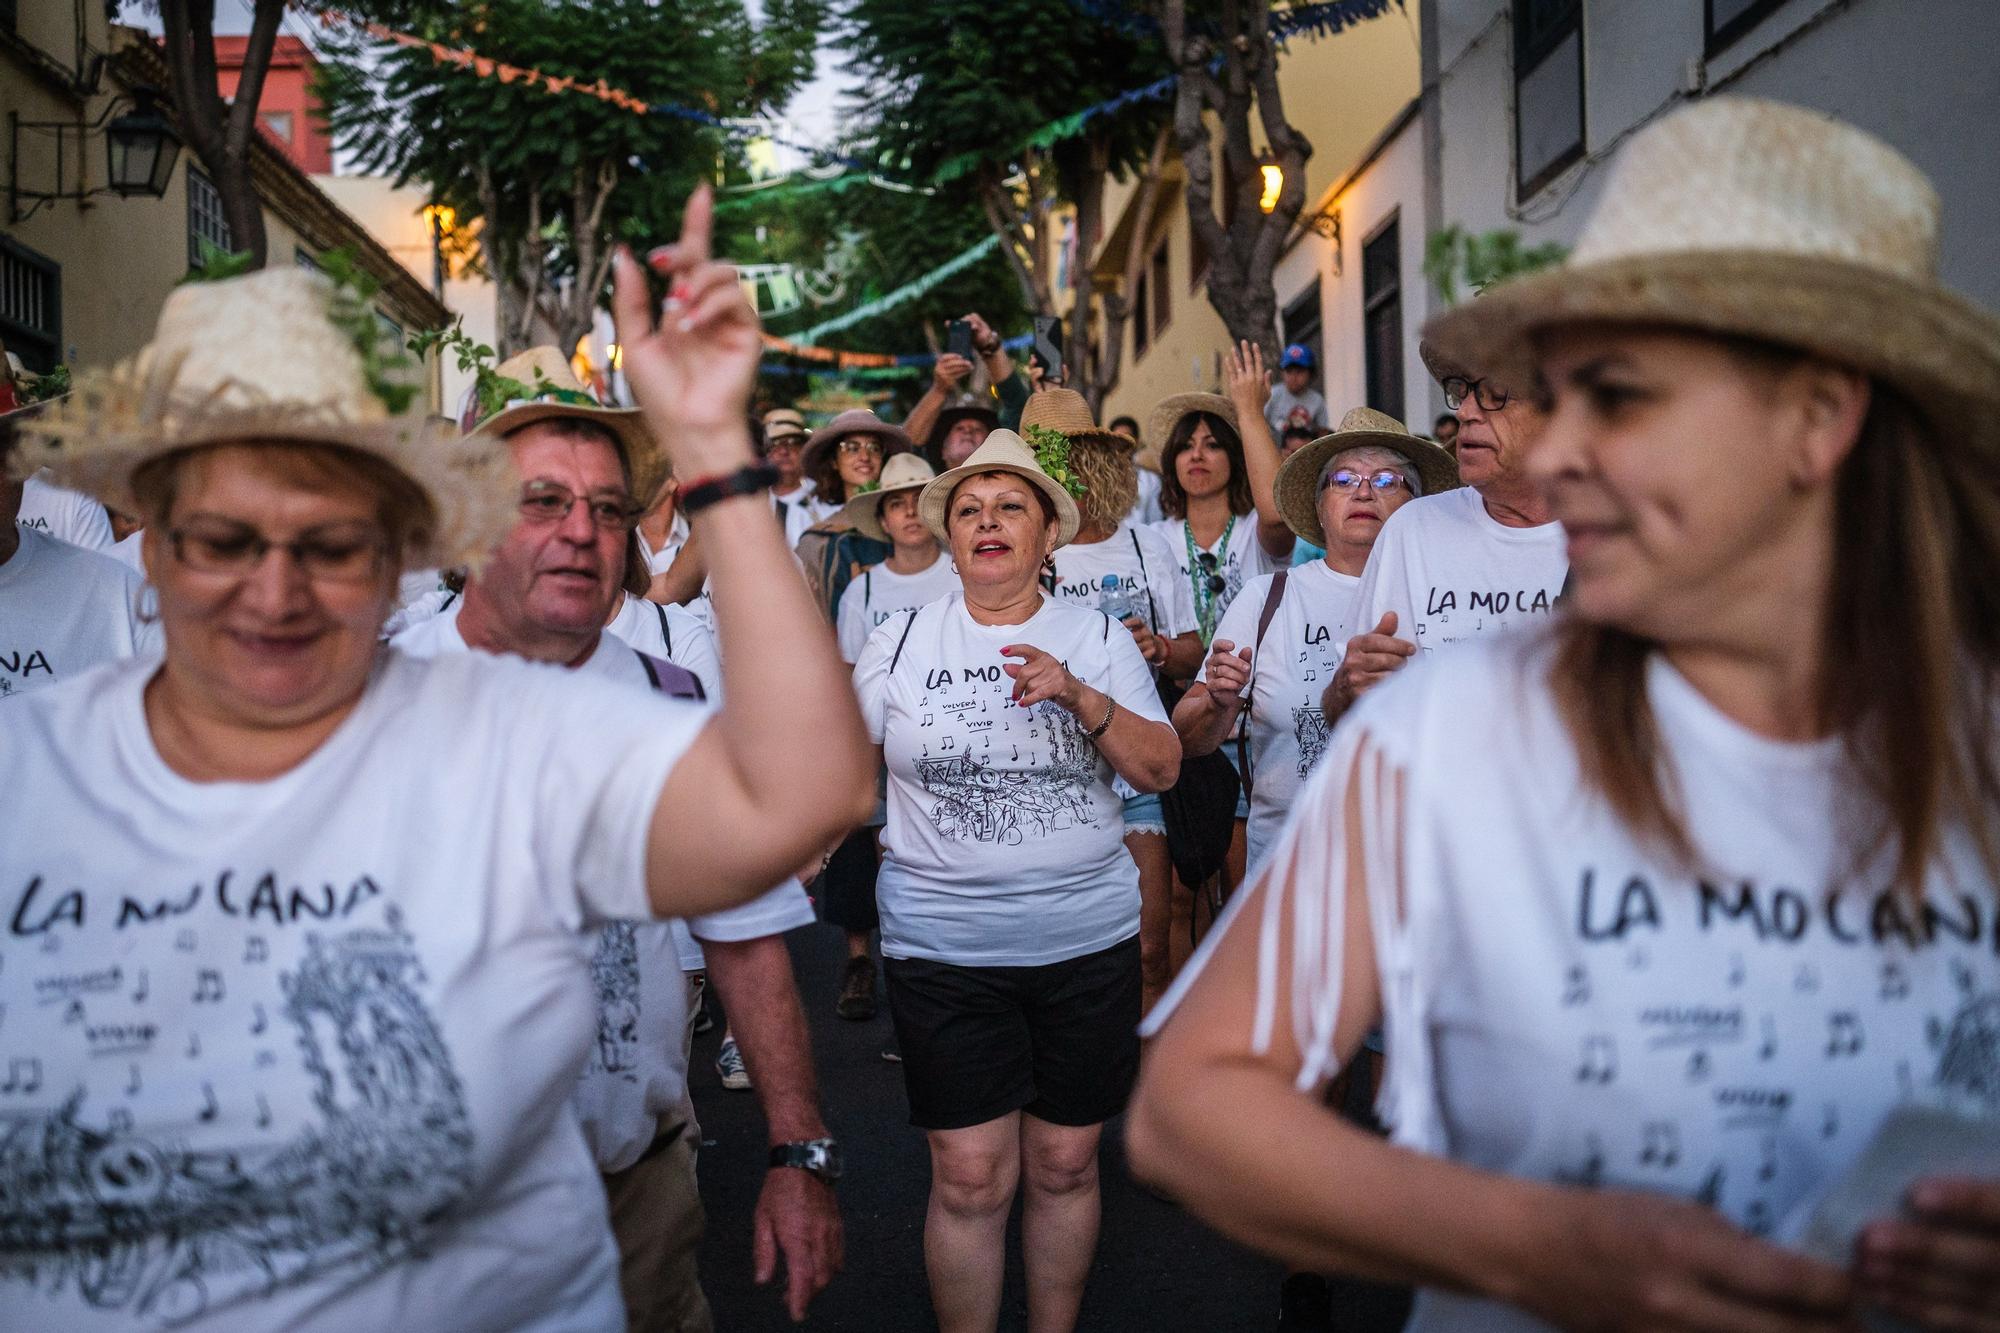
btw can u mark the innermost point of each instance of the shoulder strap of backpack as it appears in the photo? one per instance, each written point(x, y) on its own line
point(908, 625)
point(451, 595)
point(1152, 612)
point(665, 633)
point(674, 681)
point(1272, 598)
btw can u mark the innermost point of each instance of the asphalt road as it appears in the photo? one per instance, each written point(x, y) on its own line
point(1157, 1268)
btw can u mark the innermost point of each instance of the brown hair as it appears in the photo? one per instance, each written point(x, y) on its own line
point(1173, 500)
point(405, 512)
point(583, 428)
point(1910, 660)
point(1110, 479)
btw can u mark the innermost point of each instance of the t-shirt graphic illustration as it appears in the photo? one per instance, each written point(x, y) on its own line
point(982, 802)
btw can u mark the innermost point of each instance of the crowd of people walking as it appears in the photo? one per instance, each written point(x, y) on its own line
point(1607, 786)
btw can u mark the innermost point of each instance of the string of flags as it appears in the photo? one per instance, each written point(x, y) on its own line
point(909, 291)
point(866, 361)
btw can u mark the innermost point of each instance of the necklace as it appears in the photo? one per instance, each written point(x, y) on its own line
point(1207, 583)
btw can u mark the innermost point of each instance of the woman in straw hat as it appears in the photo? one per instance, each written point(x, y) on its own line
point(842, 457)
point(1653, 906)
point(1280, 640)
point(1128, 573)
point(1010, 908)
point(915, 574)
point(316, 907)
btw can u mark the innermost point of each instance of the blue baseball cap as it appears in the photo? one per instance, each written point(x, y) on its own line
point(1298, 354)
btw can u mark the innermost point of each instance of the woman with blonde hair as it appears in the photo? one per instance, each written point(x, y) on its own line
point(1670, 911)
point(1127, 572)
point(316, 908)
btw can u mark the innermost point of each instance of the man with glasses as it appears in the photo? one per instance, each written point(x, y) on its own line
point(785, 437)
point(545, 593)
point(1451, 567)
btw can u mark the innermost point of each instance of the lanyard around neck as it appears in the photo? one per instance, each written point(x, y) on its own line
point(1206, 609)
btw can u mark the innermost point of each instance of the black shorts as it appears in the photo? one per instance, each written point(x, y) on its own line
point(846, 888)
point(1060, 1041)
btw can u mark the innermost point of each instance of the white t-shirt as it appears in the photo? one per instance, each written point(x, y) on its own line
point(1146, 509)
point(1451, 572)
point(327, 1025)
point(1564, 1003)
point(64, 610)
point(1239, 557)
point(1145, 579)
point(1005, 842)
point(127, 553)
point(880, 592)
point(1288, 676)
point(636, 1073)
point(1283, 404)
point(671, 633)
point(68, 515)
point(660, 561)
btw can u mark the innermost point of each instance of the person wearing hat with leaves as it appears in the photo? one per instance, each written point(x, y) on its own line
point(326, 901)
point(1010, 907)
point(841, 457)
point(1639, 898)
point(916, 574)
point(550, 591)
point(1280, 640)
point(1294, 402)
point(1129, 574)
point(1458, 567)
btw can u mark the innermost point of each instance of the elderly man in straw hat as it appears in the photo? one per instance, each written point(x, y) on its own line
point(63, 609)
point(1450, 568)
point(545, 593)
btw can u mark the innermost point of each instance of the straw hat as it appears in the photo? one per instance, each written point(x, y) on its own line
point(1751, 218)
point(1439, 365)
point(1067, 411)
point(904, 472)
point(783, 423)
point(260, 358)
point(1004, 451)
point(1168, 413)
point(1298, 476)
point(555, 391)
point(858, 421)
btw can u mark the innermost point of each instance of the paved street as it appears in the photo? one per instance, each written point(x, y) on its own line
point(1157, 1268)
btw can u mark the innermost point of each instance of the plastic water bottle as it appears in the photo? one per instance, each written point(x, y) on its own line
point(1111, 598)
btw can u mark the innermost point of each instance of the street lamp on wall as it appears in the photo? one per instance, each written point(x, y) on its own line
point(140, 148)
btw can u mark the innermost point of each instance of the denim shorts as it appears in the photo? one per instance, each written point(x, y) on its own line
point(1143, 814)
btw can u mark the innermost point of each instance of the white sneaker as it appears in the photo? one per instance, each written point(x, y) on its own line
point(729, 1066)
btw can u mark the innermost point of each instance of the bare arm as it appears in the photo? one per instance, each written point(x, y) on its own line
point(1208, 711)
point(680, 583)
point(992, 352)
point(782, 674)
point(946, 377)
point(1250, 389)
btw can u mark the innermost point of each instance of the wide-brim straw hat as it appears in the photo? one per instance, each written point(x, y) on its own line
point(1439, 365)
point(1067, 411)
point(554, 391)
point(904, 472)
point(855, 421)
point(1745, 218)
point(1004, 451)
point(260, 360)
point(1167, 414)
point(784, 423)
point(1298, 476)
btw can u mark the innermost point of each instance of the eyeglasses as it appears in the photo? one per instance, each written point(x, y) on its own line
point(337, 553)
point(789, 443)
point(1347, 479)
point(1488, 394)
point(861, 445)
point(551, 501)
point(1215, 582)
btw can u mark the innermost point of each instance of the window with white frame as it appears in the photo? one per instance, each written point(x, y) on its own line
point(206, 220)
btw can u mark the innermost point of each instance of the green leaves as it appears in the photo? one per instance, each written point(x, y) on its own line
point(216, 264)
point(393, 374)
point(1453, 255)
point(1052, 456)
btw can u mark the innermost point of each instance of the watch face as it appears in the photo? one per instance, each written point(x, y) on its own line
point(825, 1159)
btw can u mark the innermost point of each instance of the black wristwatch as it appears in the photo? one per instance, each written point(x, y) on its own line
point(820, 1157)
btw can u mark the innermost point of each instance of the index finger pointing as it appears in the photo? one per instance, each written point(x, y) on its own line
point(1027, 652)
point(697, 226)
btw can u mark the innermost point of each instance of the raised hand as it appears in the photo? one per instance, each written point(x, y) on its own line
point(1249, 383)
point(691, 363)
point(1227, 671)
point(949, 372)
point(1151, 646)
point(1938, 1266)
point(1039, 676)
point(1370, 657)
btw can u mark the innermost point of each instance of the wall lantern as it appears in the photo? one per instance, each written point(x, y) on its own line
point(140, 150)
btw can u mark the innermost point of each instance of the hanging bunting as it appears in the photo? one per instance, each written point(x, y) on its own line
point(909, 291)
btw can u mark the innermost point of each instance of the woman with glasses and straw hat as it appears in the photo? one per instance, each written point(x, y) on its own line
point(1280, 640)
point(1010, 907)
point(842, 457)
point(315, 909)
point(1671, 910)
point(915, 575)
point(1128, 573)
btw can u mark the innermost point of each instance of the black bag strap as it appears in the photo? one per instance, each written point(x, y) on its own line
point(908, 625)
point(665, 633)
point(1152, 612)
point(1272, 599)
point(867, 587)
point(451, 595)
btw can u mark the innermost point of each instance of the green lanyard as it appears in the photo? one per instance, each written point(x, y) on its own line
point(1206, 609)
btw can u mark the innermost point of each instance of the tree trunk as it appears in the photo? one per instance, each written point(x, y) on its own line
point(221, 134)
point(1014, 228)
point(1079, 356)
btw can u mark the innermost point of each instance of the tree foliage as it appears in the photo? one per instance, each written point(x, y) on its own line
point(555, 180)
